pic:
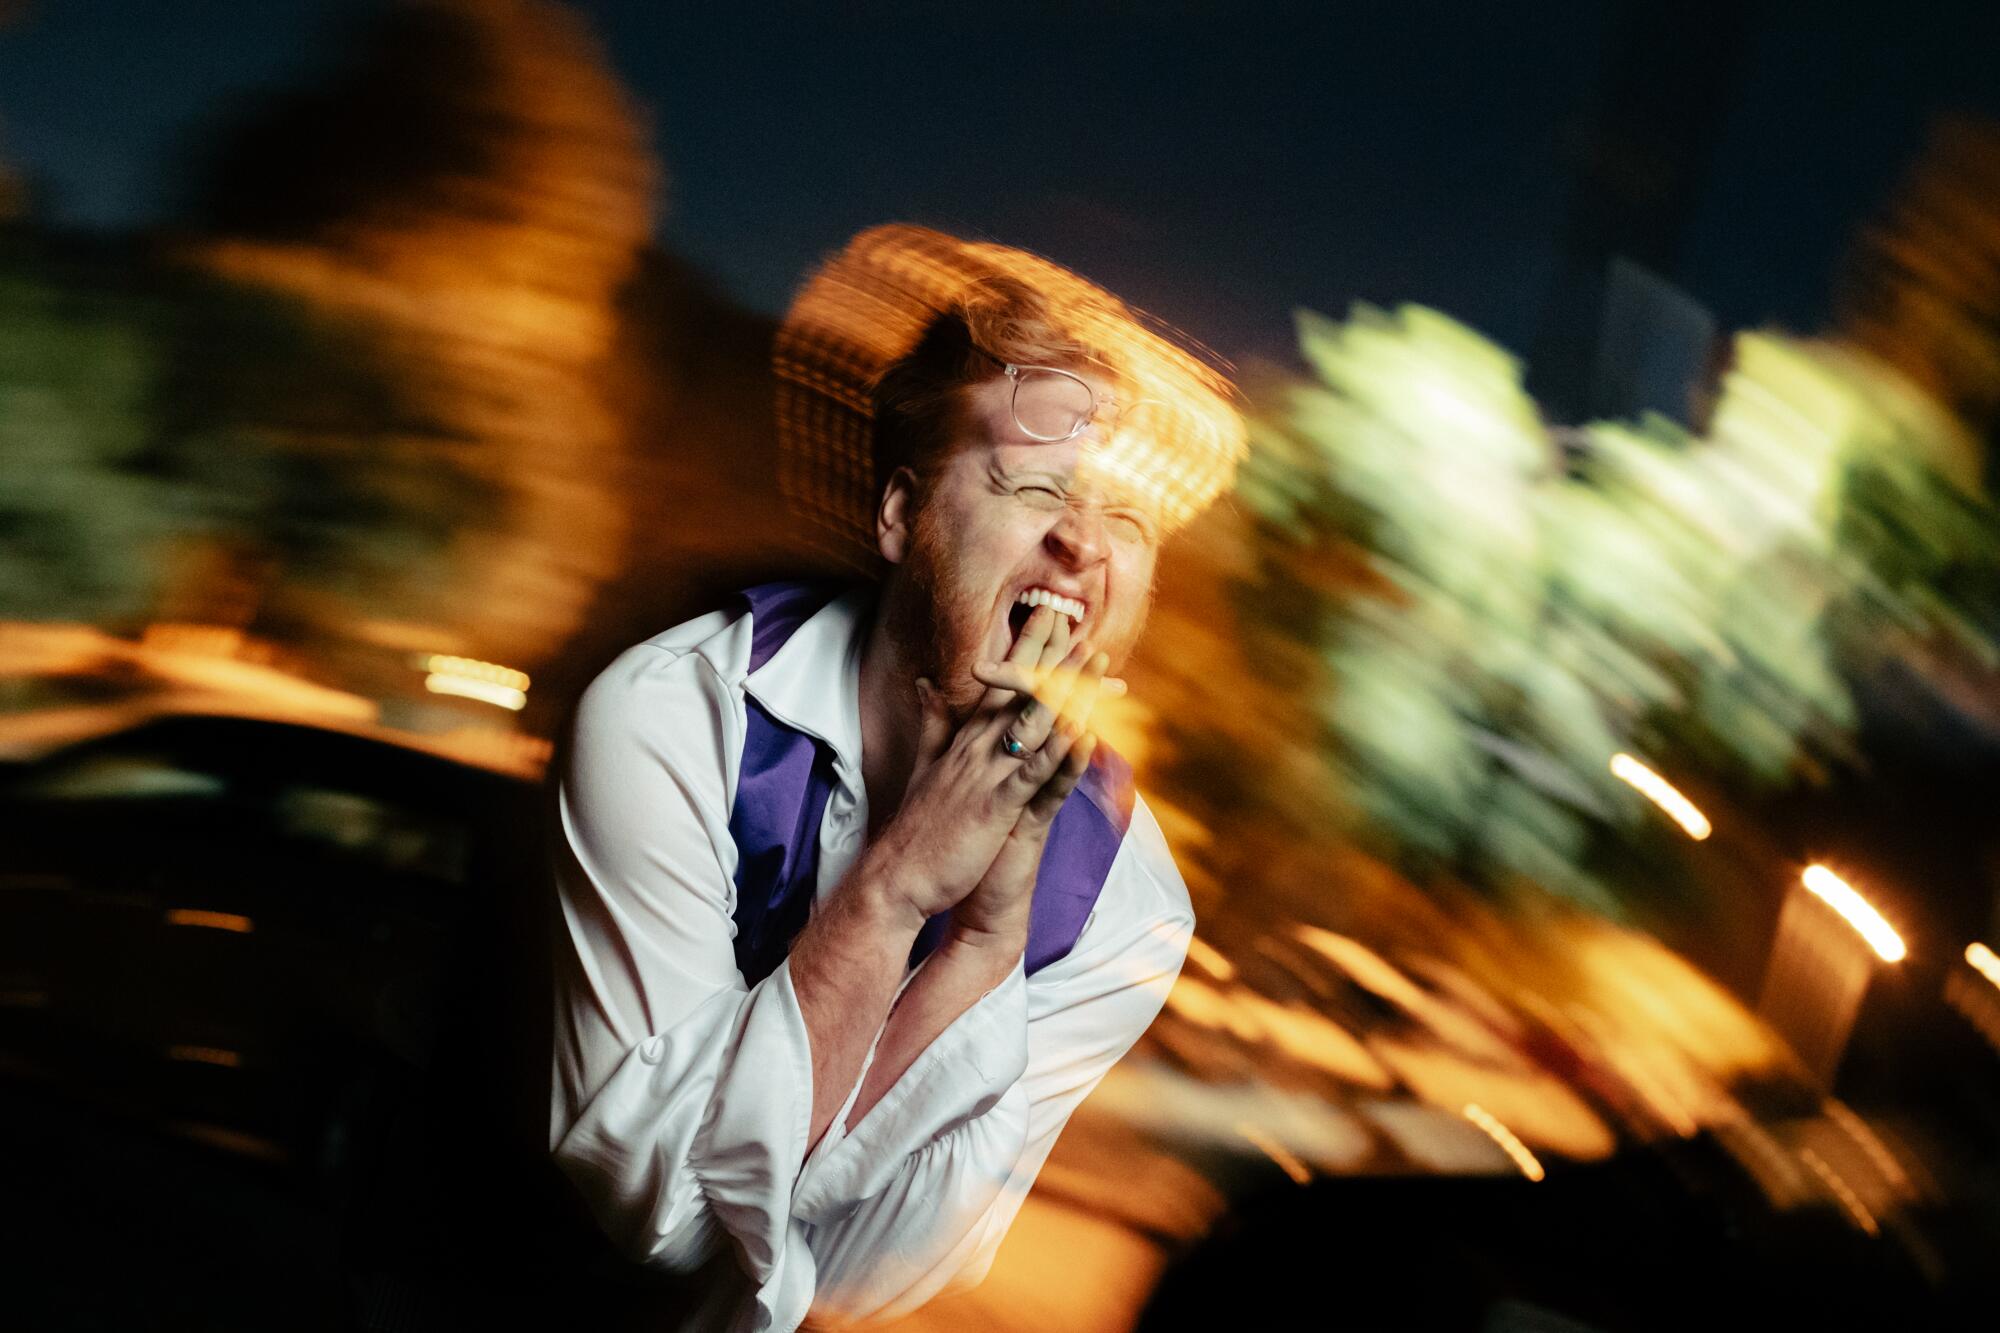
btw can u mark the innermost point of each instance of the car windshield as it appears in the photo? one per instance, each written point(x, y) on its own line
point(100, 776)
point(327, 813)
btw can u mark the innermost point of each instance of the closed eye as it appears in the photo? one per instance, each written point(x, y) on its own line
point(1131, 524)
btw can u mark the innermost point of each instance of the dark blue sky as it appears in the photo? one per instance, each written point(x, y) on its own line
point(1216, 164)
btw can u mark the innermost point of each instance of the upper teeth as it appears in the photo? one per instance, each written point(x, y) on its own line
point(1069, 606)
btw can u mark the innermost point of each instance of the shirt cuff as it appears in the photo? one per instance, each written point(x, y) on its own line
point(751, 1141)
point(960, 1076)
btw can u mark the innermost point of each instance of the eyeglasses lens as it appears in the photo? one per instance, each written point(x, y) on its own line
point(1049, 405)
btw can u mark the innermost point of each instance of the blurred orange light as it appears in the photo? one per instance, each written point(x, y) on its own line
point(207, 1055)
point(195, 916)
point(1288, 1161)
point(1984, 961)
point(1205, 956)
point(1661, 793)
point(1838, 894)
point(1841, 1191)
point(1505, 1137)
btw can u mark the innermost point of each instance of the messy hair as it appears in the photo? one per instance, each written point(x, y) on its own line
point(875, 359)
point(920, 400)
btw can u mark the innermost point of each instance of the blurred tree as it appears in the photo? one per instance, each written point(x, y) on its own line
point(161, 453)
point(1919, 299)
point(465, 195)
point(82, 524)
point(1921, 290)
point(301, 451)
point(1534, 605)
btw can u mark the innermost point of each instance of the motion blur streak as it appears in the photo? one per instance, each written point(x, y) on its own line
point(1287, 1162)
point(1984, 960)
point(1663, 794)
point(195, 916)
point(1204, 956)
point(1838, 894)
point(1841, 1191)
point(470, 687)
point(414, 385)
point(1509, 1144)
point(208, 1055)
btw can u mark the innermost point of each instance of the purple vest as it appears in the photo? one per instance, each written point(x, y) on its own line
point(786, 776)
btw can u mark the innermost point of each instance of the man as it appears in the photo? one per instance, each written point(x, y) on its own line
point(857, 908)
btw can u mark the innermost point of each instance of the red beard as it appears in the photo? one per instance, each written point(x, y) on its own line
point(943, 625)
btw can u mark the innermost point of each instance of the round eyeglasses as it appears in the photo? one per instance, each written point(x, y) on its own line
point(1052, 405)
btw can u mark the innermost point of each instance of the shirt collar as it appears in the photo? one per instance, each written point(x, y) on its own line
point(813, 681)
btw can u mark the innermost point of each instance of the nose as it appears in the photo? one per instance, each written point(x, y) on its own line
point(1077, 535)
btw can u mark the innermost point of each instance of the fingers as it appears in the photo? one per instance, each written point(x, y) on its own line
point(1065, 730)
point(1037, 714)
point(1044, 804)
point(1028, 650)
point(1043, 624)
point(1057, 648)
point(1007, 676)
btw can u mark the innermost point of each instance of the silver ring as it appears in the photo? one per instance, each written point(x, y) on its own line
point(1012, 746)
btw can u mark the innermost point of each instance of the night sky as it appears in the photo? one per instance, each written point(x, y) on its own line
point(1218, 165)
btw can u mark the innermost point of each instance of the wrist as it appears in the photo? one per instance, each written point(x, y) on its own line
point(885, 893)
point(1003, 940)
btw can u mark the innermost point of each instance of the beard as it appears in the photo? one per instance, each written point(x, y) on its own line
point(942, 622)
point(944, 618)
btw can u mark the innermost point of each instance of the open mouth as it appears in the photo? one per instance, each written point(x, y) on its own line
point(1028, 599)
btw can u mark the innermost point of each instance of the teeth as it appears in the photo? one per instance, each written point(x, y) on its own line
point(1069, 606)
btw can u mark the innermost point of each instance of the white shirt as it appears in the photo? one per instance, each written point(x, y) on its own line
point(682, 1099)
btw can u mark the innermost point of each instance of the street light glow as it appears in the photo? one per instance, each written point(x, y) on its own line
point(1984, 961)
point(1661, 793)
point(470, 687)
point(469, 678)
point(1838, 894)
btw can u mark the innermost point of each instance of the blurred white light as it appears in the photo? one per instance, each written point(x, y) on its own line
point(1661, 793)
point(1838, 894)
point(485, 691)
point(447, 665)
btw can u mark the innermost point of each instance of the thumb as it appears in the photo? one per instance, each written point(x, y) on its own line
point(934, 731)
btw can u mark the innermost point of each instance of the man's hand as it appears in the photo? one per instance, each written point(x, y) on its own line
point(965, 793)
point(1057, 695)
point(1043, 693)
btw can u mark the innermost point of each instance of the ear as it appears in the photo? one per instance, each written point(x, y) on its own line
point(896, 515)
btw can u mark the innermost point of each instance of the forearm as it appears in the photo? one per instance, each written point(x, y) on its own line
point(846, 966)
point(965, 966)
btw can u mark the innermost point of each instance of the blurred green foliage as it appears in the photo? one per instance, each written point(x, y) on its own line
point(169, 441)
point(81, 520)
point(1532, 601)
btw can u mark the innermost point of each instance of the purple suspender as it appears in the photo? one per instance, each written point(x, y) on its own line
point(781, 792)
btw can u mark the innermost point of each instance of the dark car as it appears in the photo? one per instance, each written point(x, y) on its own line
point(272, 1030)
